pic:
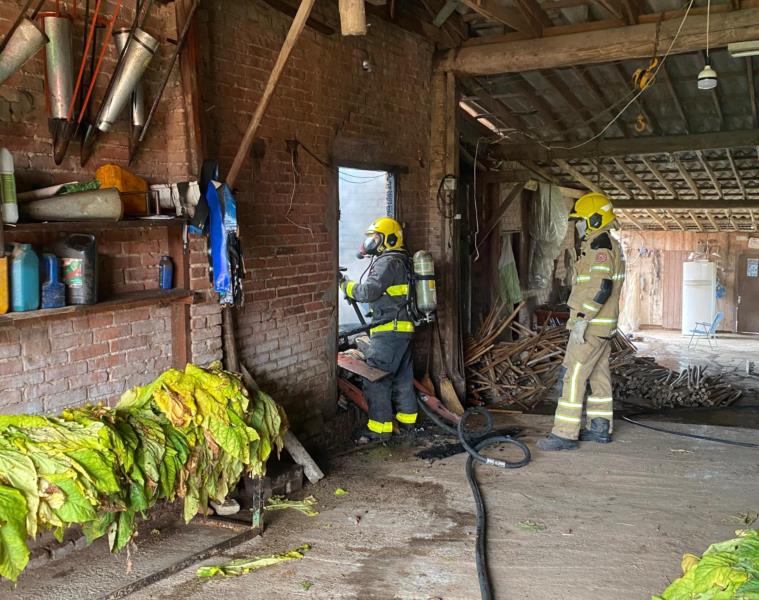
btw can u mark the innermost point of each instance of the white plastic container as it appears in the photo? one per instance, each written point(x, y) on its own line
point(8, 187)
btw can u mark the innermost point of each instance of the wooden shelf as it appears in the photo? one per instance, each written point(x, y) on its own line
point(88, 226)
point(116, 302)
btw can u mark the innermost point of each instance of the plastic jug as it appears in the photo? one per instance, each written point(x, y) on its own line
point(25, 278)
point(8, 187)
point(53, 290)
point(79, 258)
point(4, 300)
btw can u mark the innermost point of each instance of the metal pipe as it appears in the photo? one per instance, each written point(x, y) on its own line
point(59, 64)
point(25, 41)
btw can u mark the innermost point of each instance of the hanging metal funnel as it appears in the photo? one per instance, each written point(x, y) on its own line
point(60, 64)
point(138, 96)
point(136, 60)
point(24, 43)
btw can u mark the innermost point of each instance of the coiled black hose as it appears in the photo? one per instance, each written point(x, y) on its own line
point(486, 438)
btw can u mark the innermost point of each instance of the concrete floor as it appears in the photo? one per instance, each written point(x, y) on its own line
point(617, 520)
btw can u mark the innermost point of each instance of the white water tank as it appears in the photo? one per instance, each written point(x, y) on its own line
point(699, 293)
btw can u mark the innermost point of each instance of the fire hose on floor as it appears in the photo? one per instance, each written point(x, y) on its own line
point(474, 442)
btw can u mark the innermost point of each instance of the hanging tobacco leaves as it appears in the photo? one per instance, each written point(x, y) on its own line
point(188, 435)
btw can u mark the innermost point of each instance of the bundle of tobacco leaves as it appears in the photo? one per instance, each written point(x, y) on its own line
point(187, 435)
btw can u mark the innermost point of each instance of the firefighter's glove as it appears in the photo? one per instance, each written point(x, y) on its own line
point(344, 286)
point(577, 333)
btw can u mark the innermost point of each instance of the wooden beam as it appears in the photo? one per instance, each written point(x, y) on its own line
point(606, 174)
point(620, 43)
point(614, 8)
point(562, 4)
point(695, 220)
point(711, 220)
point(631, 9)
point(673, 216)
point(710, 172)
point(501, 14)
point(632, 219)
point(539, 171)
point(660, 176)
point(664, 75)
point(554, 80)
point(525, 88)
point(286, 9)
point(626, 147)
point(567, 168)
point(753, 220)
point(736, 174)
point(657, 219)
point(498, 213)
point(686, 204)
point(532, 10)
point(470, 86)
point(632, 176)
point(600, 95)
point(751, 91)
point(686, 176)
point(296, 28)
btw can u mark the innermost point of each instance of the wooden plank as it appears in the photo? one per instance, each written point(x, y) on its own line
point(554, 80)
point(673, 216)
point(532, 10)
point(296, 28)
point(505, 15)
point(710, 172)
point(657, 219)
point(631, 218)
point(686, 203)
point(632, 176)
point(126, 300)
point(751, 91)
point(713, 222)
point(473, 88)
point(660, 176)
point(686, 176)
point(619, 43)
point(603, 101)
point(289, 10)
point(539, 171)
point(498, 213)
point(606, 174)
point(695, 220)
point(627, 147)
point(567, 168)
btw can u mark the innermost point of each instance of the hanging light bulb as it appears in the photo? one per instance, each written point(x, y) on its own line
point(707, 78)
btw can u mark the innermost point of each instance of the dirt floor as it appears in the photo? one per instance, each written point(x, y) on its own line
point(599, 523)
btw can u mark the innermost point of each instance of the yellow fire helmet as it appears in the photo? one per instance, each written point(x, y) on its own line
point(383, 234)
point(595, 209)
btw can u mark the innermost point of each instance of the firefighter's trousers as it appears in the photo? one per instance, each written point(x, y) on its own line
point(585, 363)
point(390, 352)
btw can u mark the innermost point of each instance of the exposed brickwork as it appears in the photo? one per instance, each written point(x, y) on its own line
point(327, 101)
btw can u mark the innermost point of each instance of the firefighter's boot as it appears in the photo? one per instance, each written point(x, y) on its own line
point(554, 442)
point(598, 432)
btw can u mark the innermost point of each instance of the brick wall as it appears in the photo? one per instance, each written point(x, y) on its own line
point(342, 113)
point(47, 365)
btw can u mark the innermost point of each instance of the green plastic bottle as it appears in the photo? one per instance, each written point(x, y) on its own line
point(8, 187)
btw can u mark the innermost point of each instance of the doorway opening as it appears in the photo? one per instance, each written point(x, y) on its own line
point(364, 195)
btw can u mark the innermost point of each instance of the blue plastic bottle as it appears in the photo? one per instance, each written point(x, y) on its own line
point(25, 278)
point(53, 289)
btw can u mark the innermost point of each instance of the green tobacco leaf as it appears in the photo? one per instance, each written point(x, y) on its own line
point(124, 530)
point(76, 508)
point(307, 506)
point(18, 471)
point(94, 465)
point(99, 527)
point(244, 566)
point(14, 554)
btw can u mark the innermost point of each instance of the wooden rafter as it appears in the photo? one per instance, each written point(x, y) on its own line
point(657, 219)
point(736, 174)
point(614, 8)
point(712, 221)
point(567, 168)
point(710, 172)
point(633, 176)
point(599, 94)
point(539, 171)
point(533, 13)
point(660, 176)
point(606, 174)
point(501, 14)
point(507, 55)
point(664, 75)
point(752, 91)
point(471, 87)
point(753, 220)
point(555, 81)
point(686, 204)
point(523, 87)
point(673, 216)
point(686, 176)
point(695, 220)
point(638, 145)
point(631, 9)
point(631, 218)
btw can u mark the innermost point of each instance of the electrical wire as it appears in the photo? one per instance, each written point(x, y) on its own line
point(474, 187)
point(445, 206)
point(296, 174)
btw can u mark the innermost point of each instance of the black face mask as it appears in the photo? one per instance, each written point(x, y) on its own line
point(370, 246)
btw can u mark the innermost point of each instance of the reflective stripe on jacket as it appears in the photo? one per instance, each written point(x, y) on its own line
point(598, 267)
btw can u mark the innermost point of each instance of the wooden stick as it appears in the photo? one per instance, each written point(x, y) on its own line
point(299, 22)
point(352, 17)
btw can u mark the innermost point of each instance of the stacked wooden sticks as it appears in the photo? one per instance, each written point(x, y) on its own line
point(521, 372)
point(518, 372)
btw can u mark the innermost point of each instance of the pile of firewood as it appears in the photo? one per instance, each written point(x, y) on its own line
point(518, 372)
point(640, 380)
point(521, 372)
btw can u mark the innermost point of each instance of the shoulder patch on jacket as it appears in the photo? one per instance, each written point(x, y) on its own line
point(602, 241)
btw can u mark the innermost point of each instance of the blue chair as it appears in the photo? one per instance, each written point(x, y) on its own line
point(706, 330)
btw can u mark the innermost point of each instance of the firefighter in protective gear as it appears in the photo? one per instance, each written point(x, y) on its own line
point(386, 290)
point(594, 305)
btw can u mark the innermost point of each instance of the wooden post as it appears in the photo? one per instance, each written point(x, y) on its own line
point(299, 22)
point(181, 346)
point(352, 17)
